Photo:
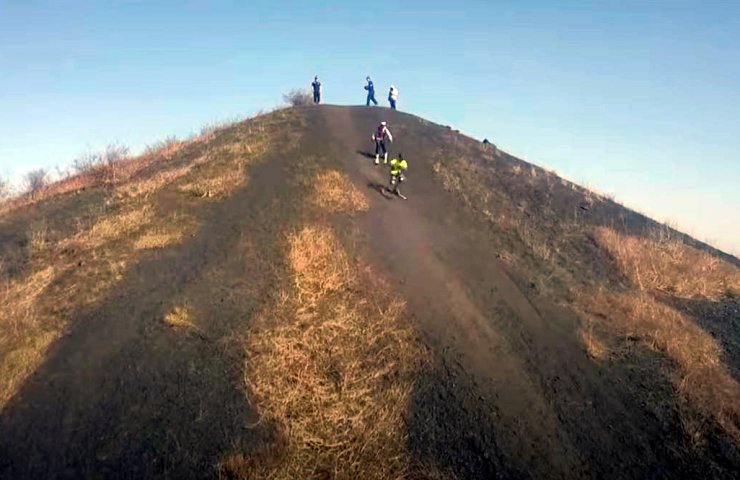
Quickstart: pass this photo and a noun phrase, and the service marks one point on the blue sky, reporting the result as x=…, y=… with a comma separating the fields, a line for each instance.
x=638, y=99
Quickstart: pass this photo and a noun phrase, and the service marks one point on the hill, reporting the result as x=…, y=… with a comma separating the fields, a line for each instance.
x=252, y=304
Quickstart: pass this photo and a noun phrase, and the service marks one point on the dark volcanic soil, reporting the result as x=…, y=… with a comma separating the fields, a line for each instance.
x=510, y=392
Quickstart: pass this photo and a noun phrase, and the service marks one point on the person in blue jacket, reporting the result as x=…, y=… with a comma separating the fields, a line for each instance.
x=316, y=86
x=370, y=87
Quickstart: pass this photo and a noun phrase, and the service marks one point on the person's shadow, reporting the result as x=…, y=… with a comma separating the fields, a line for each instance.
x=367, y=154
x=380, y=188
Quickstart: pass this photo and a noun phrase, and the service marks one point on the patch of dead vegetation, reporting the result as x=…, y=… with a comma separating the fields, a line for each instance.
x=18, y=299
x=334, y=192
x=331, y=366
x=117, y=226
x=662, y=263
x=154, y=182
x=155, y=239
x=216, y=184
x=592, y=342
x=23, y=338
x=700, y=377
x=181, y=318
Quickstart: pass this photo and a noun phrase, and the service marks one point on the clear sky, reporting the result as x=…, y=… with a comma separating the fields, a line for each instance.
x=639, y=99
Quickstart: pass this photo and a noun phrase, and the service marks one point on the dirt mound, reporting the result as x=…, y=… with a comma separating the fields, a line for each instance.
x=252, y=304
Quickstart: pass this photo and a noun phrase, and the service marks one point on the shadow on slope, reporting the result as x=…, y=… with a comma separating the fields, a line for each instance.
x=129, y=392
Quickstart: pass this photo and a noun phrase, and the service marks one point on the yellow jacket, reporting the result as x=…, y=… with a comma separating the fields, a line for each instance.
x=397, y=166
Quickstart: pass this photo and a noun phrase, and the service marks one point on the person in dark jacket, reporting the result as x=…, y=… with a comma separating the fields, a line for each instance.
x=382, y=133
x=370, y=87
x=316, y=85
x=393, y=96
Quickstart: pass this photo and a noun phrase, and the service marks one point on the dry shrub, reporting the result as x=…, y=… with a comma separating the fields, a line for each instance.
x=298, y=98
x=334, y=193
x=164, y=149
x=103, y=166
x=331, y=366
x=37, y=239
x=5, y=189
x=701, y=376
x=36, y=181
x=663, y=262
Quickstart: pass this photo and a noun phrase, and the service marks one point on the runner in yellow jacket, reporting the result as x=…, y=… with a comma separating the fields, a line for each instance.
x=398, y=166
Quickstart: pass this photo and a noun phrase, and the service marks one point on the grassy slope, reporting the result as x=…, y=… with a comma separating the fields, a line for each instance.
x=200, y=307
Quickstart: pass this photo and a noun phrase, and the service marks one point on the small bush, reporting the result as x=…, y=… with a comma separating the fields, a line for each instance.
x=164, y=148
x=103, y=165
x=298, y=98
x=36, y=181
x=5, y=188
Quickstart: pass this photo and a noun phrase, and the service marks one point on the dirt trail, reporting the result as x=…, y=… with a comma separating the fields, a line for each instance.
x=513, y=364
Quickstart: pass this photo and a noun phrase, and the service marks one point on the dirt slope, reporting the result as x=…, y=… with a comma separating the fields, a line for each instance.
x=510, y=389
x=513, y=383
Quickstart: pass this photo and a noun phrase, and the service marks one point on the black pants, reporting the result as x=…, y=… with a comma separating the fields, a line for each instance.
x=380, y=145
x=371, y=98
x=392, y=102
x=316, y=97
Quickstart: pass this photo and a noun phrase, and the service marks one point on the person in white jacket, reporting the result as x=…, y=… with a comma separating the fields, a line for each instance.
x=393, y=96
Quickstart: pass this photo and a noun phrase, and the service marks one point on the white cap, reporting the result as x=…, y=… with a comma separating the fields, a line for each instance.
x=383, y=123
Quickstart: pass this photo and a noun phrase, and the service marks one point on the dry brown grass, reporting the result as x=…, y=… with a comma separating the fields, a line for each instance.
x=700, y=376
x=155, y=182
x=18, y=298
x=158, y=239
x=595, y=347
x=334, y=192
x=23, y=338
x=216, y=185
x=331, y=365
x=663, y=262
x=117, y=226
x=181, y=318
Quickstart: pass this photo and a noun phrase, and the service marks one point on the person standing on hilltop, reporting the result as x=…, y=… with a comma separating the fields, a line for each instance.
x=393, y=96
x=316, y=85
x=370, y=87
x=381, y=134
